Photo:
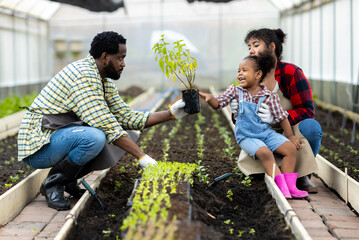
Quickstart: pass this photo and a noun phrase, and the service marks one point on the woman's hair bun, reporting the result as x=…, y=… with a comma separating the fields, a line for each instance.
x=280, y=34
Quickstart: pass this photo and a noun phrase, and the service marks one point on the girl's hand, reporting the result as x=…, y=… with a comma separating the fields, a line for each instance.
x=212, y=101
x=205, y=96
x=296, y=142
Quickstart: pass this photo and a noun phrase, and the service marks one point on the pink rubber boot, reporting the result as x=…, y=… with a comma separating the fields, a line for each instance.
x=282, y=185
x=291, y=179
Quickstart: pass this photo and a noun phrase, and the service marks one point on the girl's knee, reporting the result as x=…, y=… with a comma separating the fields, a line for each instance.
x=264, y=153
x=287, y=149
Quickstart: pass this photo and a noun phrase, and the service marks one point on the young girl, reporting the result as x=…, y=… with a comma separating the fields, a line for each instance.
x=252, y=134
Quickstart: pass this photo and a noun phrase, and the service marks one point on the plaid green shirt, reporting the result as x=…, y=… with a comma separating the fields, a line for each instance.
x=78, y=88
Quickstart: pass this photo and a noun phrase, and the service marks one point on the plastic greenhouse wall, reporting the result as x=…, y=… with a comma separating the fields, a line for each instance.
x=25, y=60
x=215, y=30
x=323, y=42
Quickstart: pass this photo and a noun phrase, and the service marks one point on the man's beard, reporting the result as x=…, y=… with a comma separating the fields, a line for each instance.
x=111, y=71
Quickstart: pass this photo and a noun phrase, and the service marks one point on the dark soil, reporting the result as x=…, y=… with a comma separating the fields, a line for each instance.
x=337, y=146
x=11, y=171
x=250, y=212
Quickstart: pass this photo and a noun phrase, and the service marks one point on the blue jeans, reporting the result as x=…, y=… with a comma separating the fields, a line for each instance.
x=80, y=143
x=312, y=131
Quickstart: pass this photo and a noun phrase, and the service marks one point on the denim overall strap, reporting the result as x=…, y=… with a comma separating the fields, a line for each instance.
x=240, y=101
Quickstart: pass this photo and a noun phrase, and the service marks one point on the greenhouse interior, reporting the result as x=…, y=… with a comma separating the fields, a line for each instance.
x=40, y=39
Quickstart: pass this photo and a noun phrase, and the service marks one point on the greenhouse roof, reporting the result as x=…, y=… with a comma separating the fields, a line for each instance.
x=285, y=4
x=40, y=9
x=96, y=5
x=45, y=9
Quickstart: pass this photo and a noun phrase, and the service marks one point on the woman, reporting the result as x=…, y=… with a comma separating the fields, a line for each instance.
x=296, y=97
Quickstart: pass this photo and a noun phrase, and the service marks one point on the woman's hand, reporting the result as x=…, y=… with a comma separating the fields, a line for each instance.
x=296, y=142
x=265, y=114
x=233, y=105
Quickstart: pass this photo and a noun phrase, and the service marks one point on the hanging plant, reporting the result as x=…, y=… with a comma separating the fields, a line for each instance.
x=177, y=63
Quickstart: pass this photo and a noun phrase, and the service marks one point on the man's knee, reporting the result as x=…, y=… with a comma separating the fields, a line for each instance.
x=96, y=138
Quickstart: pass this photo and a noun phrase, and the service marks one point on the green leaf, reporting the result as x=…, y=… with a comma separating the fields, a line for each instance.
x=161, y=63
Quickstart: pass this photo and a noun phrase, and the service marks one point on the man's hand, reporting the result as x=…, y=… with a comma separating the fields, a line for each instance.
x=145, y=161
x=233, y=105
x=177, y=109
x=265, y=114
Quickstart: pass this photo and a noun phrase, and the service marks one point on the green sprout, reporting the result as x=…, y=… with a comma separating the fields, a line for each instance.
x=229, y=194
x=252, y=231
x=118, y=184
x=106, y=233
x=247, y=181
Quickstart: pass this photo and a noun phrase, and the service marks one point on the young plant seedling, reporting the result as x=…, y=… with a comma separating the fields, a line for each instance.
x=247, y=181
x=230, y=194
x=175, y=61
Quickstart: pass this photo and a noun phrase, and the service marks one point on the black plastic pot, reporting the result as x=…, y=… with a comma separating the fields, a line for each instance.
x=191, y=100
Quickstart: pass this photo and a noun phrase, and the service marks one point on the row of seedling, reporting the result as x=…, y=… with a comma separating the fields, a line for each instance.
x=336, y=158
x=340, y=143
x=230, y=150
x=151, y=202
x=166, y=142
x=202, y=175
x=225, y=135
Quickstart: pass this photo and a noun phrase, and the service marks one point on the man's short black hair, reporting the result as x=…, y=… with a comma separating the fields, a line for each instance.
x=106, y=42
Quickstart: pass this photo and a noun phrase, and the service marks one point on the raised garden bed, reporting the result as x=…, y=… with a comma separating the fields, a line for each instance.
x=236, y=207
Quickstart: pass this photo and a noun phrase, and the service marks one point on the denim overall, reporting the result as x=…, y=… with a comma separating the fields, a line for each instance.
x=251, y=132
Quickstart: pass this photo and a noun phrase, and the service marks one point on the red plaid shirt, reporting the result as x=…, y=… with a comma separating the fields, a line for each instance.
x=295, y=87
x=271, y=99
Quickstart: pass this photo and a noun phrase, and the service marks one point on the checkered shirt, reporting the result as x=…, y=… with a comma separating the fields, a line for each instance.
x=295, y=86
x=78, y=88
x=271, y=99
